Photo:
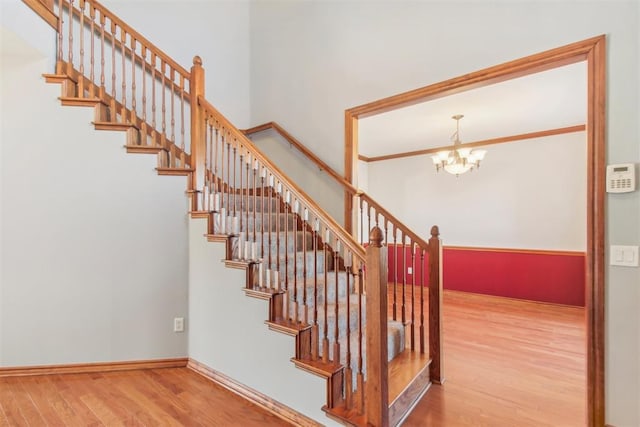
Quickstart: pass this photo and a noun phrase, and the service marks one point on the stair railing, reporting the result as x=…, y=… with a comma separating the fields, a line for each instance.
x=407, y=251
x=293, y=249
x=138, y=85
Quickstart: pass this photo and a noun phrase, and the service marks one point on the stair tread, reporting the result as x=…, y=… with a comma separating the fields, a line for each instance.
x=318, y=366
x=287, y=326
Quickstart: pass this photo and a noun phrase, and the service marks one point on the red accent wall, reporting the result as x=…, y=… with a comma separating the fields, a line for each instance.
x=546, y=276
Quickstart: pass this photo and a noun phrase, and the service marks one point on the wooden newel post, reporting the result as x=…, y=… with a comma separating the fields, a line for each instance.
x=436, y=369
x=377, y=383
x=198, y=129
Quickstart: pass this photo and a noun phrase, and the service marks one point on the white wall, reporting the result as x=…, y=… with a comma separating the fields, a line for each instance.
x=319, y=185
x=227, y=332
x=363, y=176
x=94, y=243
x=217, y=31
x=528, y=194
x=312, y=60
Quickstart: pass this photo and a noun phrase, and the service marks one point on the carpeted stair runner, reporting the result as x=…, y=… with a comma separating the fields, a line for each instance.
x=298, y=245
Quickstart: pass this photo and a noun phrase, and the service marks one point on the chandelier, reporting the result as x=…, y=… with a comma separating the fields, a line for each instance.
x=459, y=159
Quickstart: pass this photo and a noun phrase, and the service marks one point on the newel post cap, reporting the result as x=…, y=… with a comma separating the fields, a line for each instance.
x=435, y=231
x=375, y=237
x=197, y=61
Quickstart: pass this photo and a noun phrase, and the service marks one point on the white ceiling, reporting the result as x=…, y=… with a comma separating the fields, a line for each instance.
x=547, y=100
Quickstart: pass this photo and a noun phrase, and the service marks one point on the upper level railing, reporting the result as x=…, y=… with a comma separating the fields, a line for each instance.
x=140, y=84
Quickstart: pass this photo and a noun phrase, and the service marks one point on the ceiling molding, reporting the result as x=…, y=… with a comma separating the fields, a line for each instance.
x=492, y=141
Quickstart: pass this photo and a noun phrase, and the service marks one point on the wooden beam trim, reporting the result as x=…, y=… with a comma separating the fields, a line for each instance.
x=263, y=401
x=481, y=143
x=531, y=64
x=81, y=368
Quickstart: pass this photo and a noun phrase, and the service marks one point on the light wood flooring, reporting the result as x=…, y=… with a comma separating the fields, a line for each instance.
x=507, y=363
x=153, y=397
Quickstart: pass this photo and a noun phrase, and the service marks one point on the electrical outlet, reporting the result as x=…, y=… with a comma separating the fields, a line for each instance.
x=178, y=324
x=409, y=270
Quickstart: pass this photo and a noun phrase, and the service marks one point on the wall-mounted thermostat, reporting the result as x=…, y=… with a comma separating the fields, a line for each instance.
x=621, y=178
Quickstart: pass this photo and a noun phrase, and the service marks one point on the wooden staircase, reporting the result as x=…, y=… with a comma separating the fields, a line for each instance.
x=111, y=115
x=320, y=284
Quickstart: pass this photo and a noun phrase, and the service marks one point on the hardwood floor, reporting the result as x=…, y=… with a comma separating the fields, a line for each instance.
x=154, y=397
x=507, y=363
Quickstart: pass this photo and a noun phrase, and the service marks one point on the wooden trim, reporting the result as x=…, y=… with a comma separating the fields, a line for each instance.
x=593, y=51
x=263, y=401
x=532, y=64
x=142, y=149
x=44, y=10
x=238, y=264
x=350, y=165
x=83, y=368
x=287, y=327
x=199, y=214
x=402, y=405
x=482, y=143
x=595, y=288
x=516, y=250
x=304, y=150
x=68, y=101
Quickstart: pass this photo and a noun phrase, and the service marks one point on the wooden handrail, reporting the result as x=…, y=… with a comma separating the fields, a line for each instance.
x=304, y=150
x=357, y=250
x=335, y=175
